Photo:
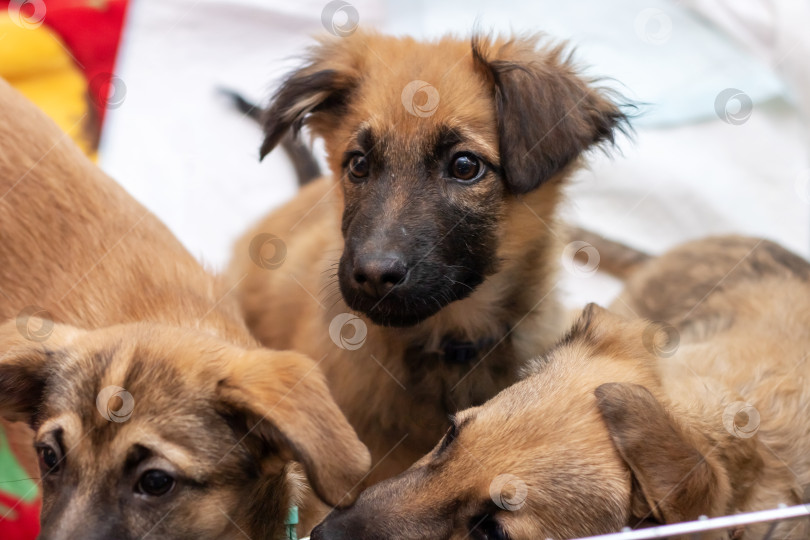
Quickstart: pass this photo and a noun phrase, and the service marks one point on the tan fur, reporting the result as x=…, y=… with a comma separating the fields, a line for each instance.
x=617, y=427
x=133, y=309
x=397, y=390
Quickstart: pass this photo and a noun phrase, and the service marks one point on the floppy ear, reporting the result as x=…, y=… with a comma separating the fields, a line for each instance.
x=672, y=480
x=547, y=113
x=320, y=88
x=25, y=363
x=283, y=401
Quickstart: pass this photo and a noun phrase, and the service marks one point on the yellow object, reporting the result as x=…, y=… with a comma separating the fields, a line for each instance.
x=37, y=63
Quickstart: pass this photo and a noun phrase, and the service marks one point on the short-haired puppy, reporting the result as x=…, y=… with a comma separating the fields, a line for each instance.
x=631, y=423
x=437, y=233
x=154, y=412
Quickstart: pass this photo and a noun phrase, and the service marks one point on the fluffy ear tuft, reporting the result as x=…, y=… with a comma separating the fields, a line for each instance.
x=24, y=367
x=672, y=480
x=320, y=88
x=285, y=404
x=597, y=326
x=547, y=113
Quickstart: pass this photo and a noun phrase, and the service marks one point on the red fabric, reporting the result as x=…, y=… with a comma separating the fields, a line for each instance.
x=23, y=524
x=91, y=29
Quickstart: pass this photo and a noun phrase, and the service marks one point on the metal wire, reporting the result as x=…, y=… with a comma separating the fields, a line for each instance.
x=775, y=516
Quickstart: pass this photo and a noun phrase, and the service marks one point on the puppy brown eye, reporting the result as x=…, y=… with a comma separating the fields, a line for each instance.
x=155, y=483
x=465, y=167
x=48, y=459
x=358, y=166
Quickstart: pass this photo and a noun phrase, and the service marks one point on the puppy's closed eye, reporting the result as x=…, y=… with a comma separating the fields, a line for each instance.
x=449, y=437
x=452, y=434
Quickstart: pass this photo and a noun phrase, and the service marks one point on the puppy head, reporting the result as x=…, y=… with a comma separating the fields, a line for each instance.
x=143, y=429
x=431, y=144
x=561, y=454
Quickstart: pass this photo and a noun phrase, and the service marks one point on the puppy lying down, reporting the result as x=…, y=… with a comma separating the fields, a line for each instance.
x=628, y=422
x=154, y=411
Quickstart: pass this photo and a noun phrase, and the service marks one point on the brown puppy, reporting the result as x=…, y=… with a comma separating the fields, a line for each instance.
x=155, y=413
x=626, y=422
x=423, y=273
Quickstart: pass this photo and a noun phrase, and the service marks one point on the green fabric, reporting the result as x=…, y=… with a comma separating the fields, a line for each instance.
x=14, y=479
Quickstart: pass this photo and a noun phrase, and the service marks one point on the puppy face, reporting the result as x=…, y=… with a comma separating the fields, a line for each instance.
x=562, y=454
x=431, y=144
x=144, y=430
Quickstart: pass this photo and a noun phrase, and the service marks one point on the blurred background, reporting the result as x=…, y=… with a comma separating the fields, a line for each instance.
x=721, y=142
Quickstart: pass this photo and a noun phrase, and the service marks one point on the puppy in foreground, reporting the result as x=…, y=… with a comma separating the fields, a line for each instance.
x=422, y=272
x=154, y=412
x=631, y=423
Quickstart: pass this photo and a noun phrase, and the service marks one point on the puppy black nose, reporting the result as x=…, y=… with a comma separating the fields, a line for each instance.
x=325, y=531
x=378, y=273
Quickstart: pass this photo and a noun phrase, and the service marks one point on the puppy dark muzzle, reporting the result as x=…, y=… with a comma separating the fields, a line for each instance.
x=391, y=293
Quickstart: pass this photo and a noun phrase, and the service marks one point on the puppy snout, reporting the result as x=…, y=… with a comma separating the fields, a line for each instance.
x=329, y=530
x=320, y=533
x=376, y=274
